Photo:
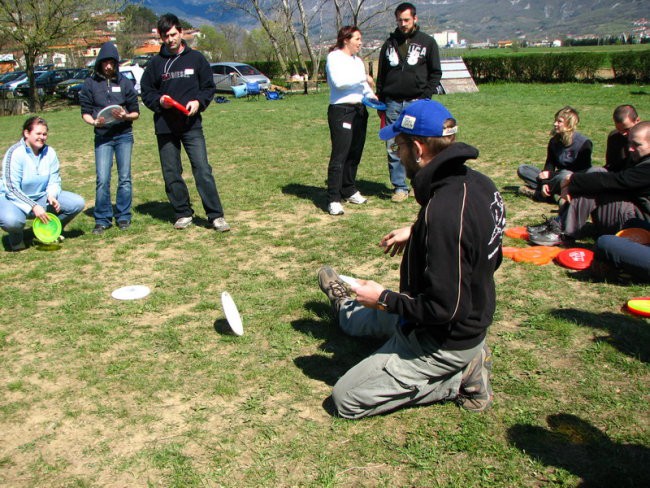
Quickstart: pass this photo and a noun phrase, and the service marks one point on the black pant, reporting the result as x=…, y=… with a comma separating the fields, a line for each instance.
x=169, y=148
x=348, y=124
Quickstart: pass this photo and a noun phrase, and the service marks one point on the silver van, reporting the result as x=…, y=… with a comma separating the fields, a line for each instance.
x=226, y=75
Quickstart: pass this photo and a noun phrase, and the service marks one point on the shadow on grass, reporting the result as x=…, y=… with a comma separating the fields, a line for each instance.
x=345, y=351
x=628, y=334
x=158, y=210
x=318, y=195
x=577, y=446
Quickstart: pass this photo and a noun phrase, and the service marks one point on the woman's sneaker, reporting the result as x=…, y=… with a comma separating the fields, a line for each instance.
x=335, y=208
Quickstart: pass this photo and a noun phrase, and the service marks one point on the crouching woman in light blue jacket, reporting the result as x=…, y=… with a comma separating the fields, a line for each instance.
x=31, y=184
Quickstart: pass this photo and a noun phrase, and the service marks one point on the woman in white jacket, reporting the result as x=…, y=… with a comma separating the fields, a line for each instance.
x=347, y=117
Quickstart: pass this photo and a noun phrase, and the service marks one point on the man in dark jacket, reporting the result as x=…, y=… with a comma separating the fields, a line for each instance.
x=437, y=322
x=617, y=154
x=184, y=75
x=105, y=88
x=409, y=70
x=609, y=199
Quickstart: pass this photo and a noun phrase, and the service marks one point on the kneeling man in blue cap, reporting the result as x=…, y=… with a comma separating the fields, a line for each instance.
x=436, y=324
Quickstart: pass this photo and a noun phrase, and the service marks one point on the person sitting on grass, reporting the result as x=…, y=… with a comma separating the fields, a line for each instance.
x=623, y=259
x=31, y=184
x=568, y=152
x=437, y=323
x=609, y=199
x=617, y=154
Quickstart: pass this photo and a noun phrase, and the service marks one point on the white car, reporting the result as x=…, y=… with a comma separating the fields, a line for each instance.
x=134, y=73
x=226, y=75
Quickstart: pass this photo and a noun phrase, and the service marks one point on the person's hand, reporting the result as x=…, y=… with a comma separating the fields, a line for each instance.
x=164, y=103
x=546, y=190
x=99, y=121
x=544, y=175
x=395, y=241
x=54, y=203
x=564, y=186
x=119, y=113
x=368, y=292
x=40, y=214
x=192, y=107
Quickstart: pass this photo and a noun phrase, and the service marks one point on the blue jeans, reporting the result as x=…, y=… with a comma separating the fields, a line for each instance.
x=12, y=218
x=396, y=170
x=169, y=148
x=121, y=146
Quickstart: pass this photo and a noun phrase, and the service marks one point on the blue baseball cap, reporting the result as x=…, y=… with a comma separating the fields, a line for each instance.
x=424, y=118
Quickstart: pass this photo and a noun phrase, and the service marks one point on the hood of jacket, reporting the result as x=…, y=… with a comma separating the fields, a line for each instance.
x=449, y=162
x=107, y=51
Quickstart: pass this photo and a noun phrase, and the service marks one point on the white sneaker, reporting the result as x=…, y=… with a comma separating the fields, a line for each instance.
x=183, y=222
x=220, y=225
x=357, y=199
x=335, y=208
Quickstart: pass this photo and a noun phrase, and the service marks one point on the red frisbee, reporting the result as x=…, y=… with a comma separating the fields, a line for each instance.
x=536, y=255
x=517, y=233
x=175, y=104
x=575, y=258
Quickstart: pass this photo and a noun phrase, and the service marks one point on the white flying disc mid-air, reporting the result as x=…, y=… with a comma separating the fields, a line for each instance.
x=131, y=292
x=232, y=314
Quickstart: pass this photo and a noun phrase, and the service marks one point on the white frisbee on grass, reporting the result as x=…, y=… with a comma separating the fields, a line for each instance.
x=232, y=314
x=107, y=113
x=131, y=292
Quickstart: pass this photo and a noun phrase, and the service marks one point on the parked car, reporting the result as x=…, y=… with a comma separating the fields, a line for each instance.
x=10, y=76
x=61, y=89
x=10, y=86
x=226, y=75
x=45, y=82
x=134, y=73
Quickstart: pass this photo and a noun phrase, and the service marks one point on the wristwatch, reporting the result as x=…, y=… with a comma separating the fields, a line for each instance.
x=381, y=301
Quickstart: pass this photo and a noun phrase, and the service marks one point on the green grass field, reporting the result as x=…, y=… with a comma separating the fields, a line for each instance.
x=518, y=51
x=100, y=392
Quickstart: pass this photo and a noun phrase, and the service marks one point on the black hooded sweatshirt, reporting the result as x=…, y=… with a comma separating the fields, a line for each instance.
x=99, y=92
x=184, y=77
x=411, y=76
x=446, y=279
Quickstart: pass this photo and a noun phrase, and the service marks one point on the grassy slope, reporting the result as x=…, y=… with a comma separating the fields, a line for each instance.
x=95, y=392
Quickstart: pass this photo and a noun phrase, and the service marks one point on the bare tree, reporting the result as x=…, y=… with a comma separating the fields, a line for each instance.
x=365, y=14
x=35, y=25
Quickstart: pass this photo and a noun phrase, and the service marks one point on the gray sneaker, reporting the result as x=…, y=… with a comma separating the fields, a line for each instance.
x=220, y=225
x=475, y=393
x=334, y=287
x=183, y=222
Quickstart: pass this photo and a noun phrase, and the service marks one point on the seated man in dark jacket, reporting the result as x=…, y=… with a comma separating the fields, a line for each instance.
x=609, y=199
x=437, y=323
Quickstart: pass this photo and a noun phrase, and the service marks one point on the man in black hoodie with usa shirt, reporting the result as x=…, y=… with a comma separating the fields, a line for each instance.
x=184, y=75
x=437, y=323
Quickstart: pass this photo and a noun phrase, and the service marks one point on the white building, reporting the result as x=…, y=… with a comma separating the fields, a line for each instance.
x=446, y=38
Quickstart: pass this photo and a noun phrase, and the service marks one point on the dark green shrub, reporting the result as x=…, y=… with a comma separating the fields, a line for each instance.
x=631, y=67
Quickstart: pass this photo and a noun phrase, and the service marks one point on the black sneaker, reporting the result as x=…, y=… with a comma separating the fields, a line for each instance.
x=124, y=224
x=335, y=288
x=543, y=227
x=100, y=228
x=552, y=236
x=475, y=393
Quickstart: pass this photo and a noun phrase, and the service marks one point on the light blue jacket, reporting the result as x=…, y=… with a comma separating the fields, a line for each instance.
x=27, y=177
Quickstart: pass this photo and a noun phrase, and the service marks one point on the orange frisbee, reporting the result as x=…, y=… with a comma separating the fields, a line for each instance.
x=517, y=232
x=635, y=234
x=509, y=251
x=536, y=255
